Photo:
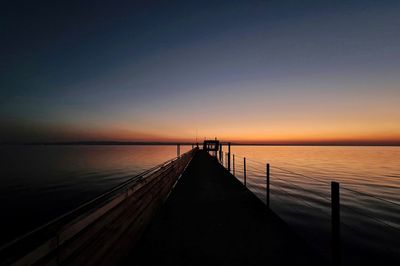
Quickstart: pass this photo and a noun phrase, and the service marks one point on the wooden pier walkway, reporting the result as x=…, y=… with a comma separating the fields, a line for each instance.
x=210, y=218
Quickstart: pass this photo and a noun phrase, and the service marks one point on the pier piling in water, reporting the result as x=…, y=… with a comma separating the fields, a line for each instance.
x=267, y=186
x=233, y=161
x=244, y=171
x=335, y=208
x=229, y=156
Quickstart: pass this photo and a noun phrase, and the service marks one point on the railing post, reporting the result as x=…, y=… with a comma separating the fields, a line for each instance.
x=233, y=161
x=335, y=208
x=229, y=156
x=244, y=171
x=267, y=186
x=220, y=152
x=178, y=150
x=225, y=159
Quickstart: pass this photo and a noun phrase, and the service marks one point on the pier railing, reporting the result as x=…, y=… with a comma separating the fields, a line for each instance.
x=116, y=216
x=331, y=216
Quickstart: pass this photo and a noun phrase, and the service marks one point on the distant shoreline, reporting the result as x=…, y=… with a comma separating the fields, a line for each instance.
x=155, y=143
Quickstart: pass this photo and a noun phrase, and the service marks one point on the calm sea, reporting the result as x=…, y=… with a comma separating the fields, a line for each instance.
x=39, y=183
x=300, y=183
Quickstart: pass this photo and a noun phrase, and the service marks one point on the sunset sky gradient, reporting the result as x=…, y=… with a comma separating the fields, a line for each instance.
x=245, y=71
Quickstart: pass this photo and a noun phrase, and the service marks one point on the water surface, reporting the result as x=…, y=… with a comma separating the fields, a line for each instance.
x=301, y=176
x=40, y=183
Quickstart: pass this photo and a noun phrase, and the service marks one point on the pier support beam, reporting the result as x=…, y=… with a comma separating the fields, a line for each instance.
x=233, y=161
x=244, y=171
x=229, y=156
x=267, y=186
x=335, y=208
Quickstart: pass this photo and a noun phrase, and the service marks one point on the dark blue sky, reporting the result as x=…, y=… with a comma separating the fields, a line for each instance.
x=141, y=70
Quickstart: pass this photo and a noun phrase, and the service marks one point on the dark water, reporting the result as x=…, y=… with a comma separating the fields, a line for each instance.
x=40, y=183
x=369, y=179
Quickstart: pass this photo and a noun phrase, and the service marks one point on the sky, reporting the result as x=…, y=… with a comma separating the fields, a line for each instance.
x=245, y=71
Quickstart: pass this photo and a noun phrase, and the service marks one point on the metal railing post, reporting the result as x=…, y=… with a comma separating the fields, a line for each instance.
x=335, y=208
x=226, y=159
x=267, y=186
x=178, y=150
x=233, y=161
x=229, y=156
x=244, y=171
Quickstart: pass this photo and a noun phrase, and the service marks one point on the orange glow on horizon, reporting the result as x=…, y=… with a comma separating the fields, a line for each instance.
x=281, y=132
x=244, y=137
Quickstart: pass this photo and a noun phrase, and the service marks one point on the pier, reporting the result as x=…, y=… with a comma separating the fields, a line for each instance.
x=187, y=211
x=212, y=219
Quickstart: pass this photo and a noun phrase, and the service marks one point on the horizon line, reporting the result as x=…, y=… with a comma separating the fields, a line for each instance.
x=233, y=143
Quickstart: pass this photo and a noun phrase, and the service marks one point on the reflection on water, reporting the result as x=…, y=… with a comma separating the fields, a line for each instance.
x=39, y=183
x=300, y=193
